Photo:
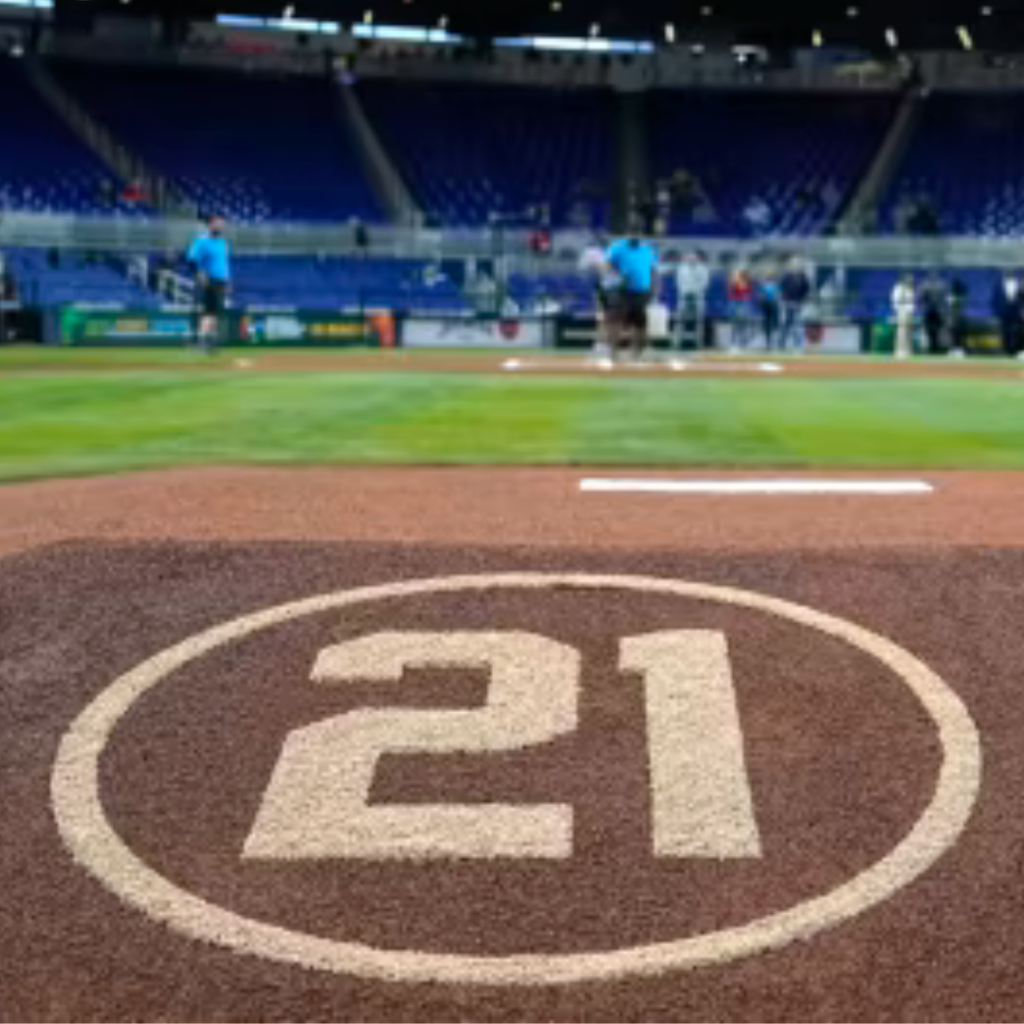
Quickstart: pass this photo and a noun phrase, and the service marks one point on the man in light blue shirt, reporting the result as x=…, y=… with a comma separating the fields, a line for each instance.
x=636, y=263
x=210, y=256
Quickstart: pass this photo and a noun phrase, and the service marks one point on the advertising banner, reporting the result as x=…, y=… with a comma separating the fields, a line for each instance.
x=278, y=329
x=456, y=332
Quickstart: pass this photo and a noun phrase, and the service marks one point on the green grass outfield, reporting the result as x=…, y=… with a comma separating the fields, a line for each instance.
x=67, y=421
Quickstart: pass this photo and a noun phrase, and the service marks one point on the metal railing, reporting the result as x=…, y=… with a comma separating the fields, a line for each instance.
x=138, y=235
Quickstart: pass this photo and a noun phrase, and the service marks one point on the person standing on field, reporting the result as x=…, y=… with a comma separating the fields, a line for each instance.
x=636, y=264
x=904, y=302
x=935, y=306
x=1008, y=308
x=795, y=287
x=210, y=256
x=693, y=278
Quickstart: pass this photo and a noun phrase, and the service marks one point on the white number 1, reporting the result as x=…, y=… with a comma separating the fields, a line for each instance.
x=316, y=805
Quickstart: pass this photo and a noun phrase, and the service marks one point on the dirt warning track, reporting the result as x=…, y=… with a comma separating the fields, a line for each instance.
x=398, y=780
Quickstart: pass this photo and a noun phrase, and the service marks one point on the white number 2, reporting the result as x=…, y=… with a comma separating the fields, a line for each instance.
x=316, y=805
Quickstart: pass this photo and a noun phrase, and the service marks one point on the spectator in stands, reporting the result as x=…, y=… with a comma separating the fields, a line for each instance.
x=360, y=236
x=935, y=306
x=904, y=305
x=134, y=194
x=795, y=289
x=693, y=278
x=769, y=299
x=758, y=216
x=1008, y=309
x=741, y=296
x=107, y=194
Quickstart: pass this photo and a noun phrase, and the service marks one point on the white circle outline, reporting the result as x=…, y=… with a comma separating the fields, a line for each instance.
x=95, y=845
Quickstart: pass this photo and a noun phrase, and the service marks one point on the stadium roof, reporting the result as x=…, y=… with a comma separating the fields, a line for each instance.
x=867, y=24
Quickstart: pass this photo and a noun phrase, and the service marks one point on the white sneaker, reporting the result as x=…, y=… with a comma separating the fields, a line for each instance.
x=957, y=353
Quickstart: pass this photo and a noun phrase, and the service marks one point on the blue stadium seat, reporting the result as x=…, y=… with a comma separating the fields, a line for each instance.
x=43, y=166
x=784, y=148
x=254, y=147
x=466, y=151
x=967, y=157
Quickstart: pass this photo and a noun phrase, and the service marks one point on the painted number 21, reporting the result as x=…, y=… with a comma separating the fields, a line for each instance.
x=317, y=802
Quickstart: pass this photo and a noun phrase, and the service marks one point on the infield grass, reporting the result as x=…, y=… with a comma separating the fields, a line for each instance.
x=109, y=420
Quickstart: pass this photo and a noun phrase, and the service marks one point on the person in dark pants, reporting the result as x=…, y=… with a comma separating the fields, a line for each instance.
x=210, y=255
x=958, y=318
x=1008, y=309
x=636, y=264
x=795, y=288
x=769, y=300
x=934, y=305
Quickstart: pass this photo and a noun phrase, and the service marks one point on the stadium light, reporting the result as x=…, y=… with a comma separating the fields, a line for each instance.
x=556, y=5
x=595, y=30
x=816, y=38
x=891, y=38
x=707, y=11
x=442, y=22
x=965, y=37
x=852, y=12
x=670, y=33
x=367, y=17
x=987, y=12
x=288, y=12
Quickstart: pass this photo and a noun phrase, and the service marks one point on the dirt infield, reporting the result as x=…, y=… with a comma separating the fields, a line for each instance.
x=531, y=362
x=640, y=758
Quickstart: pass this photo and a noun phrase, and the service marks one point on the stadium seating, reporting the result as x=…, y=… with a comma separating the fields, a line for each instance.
x=967, y=157
x=43, y=166
x=802, y=153
x=466, y=151
x=75, y=279
x=340, y=283
x=253, y=147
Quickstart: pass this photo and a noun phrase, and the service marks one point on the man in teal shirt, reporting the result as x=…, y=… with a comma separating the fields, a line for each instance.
x=210, y=255
x=636, y=263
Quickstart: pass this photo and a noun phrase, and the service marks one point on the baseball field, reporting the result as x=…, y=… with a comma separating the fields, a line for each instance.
x=463, y=686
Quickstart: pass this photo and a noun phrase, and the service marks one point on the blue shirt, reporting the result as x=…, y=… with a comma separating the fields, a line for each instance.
x=212, y=256
x=635, y=264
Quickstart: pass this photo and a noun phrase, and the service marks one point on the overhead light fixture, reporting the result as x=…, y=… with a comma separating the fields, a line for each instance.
x=707, y=11
x=852, y=12
x=670, y=32
x=987, y=12
x=816, y=38
x=891, y=38
x=288, y=13
x=556, y=5
x=595, y=30
x=965, y=37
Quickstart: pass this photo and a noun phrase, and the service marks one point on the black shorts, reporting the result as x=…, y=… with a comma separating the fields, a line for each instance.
x=633, y=309
x=214, y=298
